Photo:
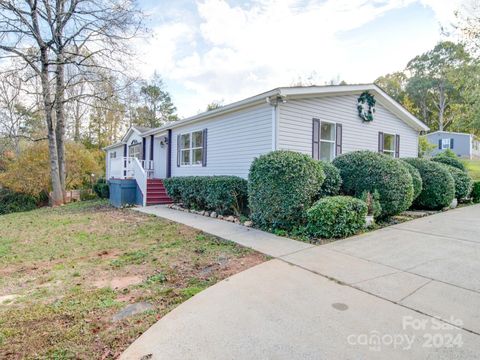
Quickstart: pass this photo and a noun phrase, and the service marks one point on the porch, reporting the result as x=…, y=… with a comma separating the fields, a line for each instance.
x=132, y=181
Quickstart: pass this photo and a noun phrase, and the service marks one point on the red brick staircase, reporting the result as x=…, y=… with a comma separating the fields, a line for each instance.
x=156, y=193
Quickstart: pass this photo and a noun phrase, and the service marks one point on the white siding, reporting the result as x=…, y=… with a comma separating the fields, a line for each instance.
x=233, y=141
x=115, y=172
x=295, y=125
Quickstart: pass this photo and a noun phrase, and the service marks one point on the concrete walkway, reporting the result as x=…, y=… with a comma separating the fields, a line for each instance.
x=378, y=295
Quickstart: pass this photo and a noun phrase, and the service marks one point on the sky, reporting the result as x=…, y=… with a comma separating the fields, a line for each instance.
x=224, y=51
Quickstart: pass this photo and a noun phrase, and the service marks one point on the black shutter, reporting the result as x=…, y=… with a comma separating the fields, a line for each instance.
x=338, y=139
x=151, y=146
x=451, y=143
x=125, y=159
x=178, y=150
x=169, y=154
x=144, y=147
x=204, y=150
x=397, y=146
x=380, y=142
x=439, y=144
x=316, y=139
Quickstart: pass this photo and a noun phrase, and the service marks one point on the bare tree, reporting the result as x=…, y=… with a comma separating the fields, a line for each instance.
x=50, y=35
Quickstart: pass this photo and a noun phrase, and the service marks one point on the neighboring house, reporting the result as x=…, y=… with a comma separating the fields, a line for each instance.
x=321, y=121
x=464, y=145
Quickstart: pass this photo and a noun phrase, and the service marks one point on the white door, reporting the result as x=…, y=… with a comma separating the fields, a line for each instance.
x=159, y=159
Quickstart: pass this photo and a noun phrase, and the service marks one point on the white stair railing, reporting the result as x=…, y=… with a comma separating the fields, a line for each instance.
x=141, y=177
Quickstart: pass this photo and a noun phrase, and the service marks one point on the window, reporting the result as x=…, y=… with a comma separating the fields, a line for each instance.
x=389, y=144
x=445, y=143
x=135, y=149
x=327, y=141
x=113, y=155
x=191, y=148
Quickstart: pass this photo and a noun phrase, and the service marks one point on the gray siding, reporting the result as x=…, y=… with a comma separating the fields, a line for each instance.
x=461, y=143
x=295, y=125
x=234, y=140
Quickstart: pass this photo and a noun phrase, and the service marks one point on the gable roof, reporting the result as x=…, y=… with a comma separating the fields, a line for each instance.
x=140, y=130
x=296, y=92
x=450, y=132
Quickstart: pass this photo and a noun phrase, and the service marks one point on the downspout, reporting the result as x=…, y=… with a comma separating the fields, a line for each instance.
x=274, y=102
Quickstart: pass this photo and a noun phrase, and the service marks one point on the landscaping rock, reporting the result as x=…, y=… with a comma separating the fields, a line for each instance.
x=236, y=221
x=132, y=309
x=220, y=217
x=454, y=204
x=230, y=218
x=248, y=223
x=213, y=214
x=206, y=213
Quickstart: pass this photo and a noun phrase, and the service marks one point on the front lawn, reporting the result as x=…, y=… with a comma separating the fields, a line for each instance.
x=66, y=272
x=473, y=167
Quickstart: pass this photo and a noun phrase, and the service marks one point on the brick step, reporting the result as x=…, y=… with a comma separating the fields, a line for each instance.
x=154, y=181
x=155, y=187
x=159, y=201
x=156, y=193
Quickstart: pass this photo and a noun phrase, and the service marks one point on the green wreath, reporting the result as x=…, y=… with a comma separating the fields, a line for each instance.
x=366, y=106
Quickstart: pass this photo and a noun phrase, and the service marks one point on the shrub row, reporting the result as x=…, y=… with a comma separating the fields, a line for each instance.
x=281, y=188
x=369, y=171
x=416, y=179
x=463, y=183
x=333, y=181
x=449, y=158
x=223, y=194
x=11, y=202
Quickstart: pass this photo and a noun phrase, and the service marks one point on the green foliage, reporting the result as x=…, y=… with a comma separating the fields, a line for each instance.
x=438, y=186
x=373, y=203
x=369, y=171
x=332, y=183
x=447, y=159
x=336, y=217
x=281, y=187
x=476, y=192
x=223, y=194
x=425, y=148
x=416, y=179
x=11, y=202
x=102, y=189
x=463, y=183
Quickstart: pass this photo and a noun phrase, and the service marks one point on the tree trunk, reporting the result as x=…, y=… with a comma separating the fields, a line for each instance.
x=60, y=117
x=441, y=105
x=57, y=197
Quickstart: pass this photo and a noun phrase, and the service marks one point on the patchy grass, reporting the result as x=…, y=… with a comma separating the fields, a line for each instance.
x=76, y=266
x=473, y=167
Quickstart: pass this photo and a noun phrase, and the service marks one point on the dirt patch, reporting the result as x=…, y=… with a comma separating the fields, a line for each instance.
x=119, y=283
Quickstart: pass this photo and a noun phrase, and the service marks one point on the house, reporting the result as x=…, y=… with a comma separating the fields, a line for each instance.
x=464, y=145
x=321, y=121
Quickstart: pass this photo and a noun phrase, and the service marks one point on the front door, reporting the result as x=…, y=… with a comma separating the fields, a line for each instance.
x=160, y=158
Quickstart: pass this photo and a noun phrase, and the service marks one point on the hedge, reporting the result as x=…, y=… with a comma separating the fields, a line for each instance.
x=222, y=194
x=438, y=186
x=476, y=192
x=332, y=183
x=416, y=178
x=369, y=171
x=463, y=183
x=281, y=187
x=449, y=159
x=11, y=202
x=336, y=217
x=101, y=189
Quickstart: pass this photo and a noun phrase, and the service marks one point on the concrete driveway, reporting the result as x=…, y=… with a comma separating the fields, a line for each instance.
x=410, y=291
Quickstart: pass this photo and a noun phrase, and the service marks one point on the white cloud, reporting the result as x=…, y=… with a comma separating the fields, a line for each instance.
x=233, y=52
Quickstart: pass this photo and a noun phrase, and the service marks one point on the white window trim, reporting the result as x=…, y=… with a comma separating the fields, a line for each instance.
x=190, y=149
x=394, y=144
x=334, y=141
x=446, y=143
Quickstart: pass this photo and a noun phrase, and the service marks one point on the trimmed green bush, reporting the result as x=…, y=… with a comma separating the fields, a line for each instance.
x=102, y=189
x=369, y=171
x=373, y=203
x=332, y=183
x=438, y=186
x=476, y=192
x=11, y=202
x=281, y=187
x=449, y=159
x=463, y=183
x=416, y=178
x=336, y=217
x=222, y=194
